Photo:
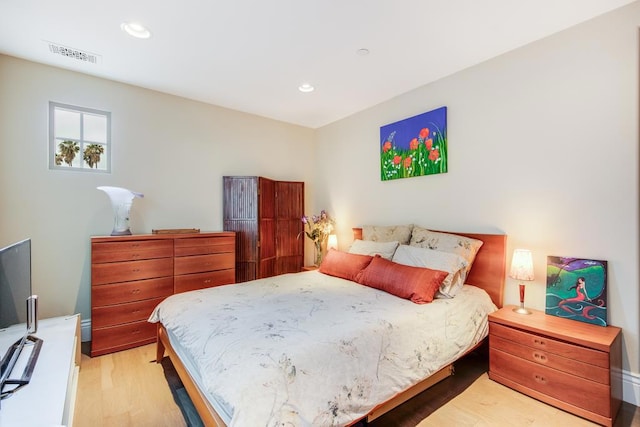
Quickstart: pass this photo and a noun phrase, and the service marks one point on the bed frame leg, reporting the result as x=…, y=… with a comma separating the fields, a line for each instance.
x=159, y=345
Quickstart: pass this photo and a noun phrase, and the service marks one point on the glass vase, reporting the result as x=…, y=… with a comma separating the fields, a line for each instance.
x=317, y=252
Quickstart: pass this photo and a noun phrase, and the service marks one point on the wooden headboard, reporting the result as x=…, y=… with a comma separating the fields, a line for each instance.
x=489, y=268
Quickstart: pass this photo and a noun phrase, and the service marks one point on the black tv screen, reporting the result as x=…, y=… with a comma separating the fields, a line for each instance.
x=15, y=283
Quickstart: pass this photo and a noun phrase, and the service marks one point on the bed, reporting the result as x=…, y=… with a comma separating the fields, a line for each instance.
x=313, y=349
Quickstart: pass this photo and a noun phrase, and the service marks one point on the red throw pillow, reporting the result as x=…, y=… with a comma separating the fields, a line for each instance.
x=413, y=283
x=343, y=264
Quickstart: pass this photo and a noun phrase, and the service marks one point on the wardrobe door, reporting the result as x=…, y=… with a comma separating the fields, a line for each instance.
x=266, y=228
x=240, y=213
x=289, y=236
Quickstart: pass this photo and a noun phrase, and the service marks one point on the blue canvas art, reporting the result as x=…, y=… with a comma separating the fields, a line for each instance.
x=415, y=146
x=577, y=289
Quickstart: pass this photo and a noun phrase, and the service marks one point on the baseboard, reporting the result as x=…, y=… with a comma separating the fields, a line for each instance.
x=631, y=387
x=85, y=330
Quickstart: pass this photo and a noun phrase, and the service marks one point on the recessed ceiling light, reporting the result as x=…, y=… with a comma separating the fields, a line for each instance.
x=306, y=87
x=363, y=51
x=136, y=30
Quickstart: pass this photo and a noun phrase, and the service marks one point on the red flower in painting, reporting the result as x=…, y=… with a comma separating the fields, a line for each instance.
x=407, y=162
x=386, y=146
x=429, y=143
x=434, y=155
x=424, y=132
x=397, y=160
x=413, y=145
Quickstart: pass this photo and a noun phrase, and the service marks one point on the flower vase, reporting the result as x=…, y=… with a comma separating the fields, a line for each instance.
x=318, y=253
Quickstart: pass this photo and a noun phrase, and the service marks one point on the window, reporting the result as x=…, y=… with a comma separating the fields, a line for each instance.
x=79, y=138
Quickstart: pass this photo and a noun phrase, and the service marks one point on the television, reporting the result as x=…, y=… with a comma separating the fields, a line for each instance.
x=18, y=314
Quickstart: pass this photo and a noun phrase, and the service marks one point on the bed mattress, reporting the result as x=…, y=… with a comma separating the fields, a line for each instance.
x=307, y=349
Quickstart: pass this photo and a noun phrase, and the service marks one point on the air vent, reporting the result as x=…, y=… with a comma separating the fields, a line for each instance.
x=73, y=53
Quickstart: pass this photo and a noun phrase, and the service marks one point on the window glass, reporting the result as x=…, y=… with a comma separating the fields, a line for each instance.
x=79, y=138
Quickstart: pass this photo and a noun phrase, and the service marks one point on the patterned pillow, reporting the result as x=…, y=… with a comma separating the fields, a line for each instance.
x=367, y=247
x=466, y=247
x=453, y=264
x=390, y=233
x=413, y=283
x=343, y=265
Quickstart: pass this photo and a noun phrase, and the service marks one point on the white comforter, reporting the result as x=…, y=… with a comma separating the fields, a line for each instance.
x=309, y=349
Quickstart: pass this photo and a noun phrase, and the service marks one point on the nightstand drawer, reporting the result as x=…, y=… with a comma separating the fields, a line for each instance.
x=582, y=393
x=570, y=351
x=573, y=366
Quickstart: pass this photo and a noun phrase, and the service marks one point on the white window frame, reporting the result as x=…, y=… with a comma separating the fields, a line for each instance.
x=82, y=142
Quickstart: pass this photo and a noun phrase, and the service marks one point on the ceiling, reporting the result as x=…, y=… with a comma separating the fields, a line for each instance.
x=251, y=55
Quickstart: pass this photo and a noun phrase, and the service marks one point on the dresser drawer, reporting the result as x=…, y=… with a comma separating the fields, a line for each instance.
x=570, y=351
x=202, y=263
x=580, y=392
x=117, y=293
x=130, y=250
x=131, y=270
x=112, y=315
x=204, y=245
x=115, y=338
x=190, y=282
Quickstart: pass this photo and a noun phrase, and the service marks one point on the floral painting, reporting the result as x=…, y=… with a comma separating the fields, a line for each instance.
x=415, y=146
x=577, y=289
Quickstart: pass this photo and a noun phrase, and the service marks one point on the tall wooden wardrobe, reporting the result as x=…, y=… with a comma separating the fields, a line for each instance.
x=266, y=216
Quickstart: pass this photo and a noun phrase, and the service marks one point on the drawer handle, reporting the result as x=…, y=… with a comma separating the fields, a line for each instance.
x=207, y=281
x=135, y=311
x=135, y=255
x=134, y=332
x=540, y=379
x=135, y=291
x=540, y=357
x=539, y=342
x=135, y=245
x=135, y=270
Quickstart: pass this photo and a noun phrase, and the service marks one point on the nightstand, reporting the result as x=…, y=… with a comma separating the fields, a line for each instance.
x=309, y=268
x=572, y=365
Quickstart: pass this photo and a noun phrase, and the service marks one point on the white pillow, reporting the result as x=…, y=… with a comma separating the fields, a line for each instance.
x=368, y=247
x=387, y=233
x=446, y=242
x=452, y=263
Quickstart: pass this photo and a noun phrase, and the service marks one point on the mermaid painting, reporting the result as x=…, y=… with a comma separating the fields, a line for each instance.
x=576, y=289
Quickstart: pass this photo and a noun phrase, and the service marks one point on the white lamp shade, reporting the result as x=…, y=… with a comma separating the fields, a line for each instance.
x=332, y=243
x=522, y=265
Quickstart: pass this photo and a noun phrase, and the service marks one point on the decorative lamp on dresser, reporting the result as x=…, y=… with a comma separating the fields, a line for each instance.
x=131, y=274
x=572, y=365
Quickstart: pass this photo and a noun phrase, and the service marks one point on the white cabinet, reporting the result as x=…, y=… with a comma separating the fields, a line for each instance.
x=49, y=398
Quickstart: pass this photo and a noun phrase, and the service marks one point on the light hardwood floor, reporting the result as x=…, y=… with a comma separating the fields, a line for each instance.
x=123, y=389
x=128, y=388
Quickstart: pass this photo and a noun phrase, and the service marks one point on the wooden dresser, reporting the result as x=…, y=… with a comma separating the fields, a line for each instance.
x=572, y=365
x=130, y=275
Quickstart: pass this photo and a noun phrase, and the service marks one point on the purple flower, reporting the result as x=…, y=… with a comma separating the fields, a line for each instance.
x=304, y=219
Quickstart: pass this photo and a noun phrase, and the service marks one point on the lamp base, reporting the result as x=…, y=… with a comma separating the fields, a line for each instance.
x=521, y=310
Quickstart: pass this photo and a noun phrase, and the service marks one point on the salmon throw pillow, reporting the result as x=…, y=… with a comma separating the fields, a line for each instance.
x=344, y=265
x=413, y=283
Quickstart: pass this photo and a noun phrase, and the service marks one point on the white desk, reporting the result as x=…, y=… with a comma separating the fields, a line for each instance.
x=49, y=398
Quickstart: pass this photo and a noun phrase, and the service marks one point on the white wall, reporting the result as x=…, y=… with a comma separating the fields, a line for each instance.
x=174, y=151
x=543, y=146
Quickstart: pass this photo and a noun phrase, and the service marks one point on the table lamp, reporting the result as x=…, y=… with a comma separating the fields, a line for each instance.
x=332, y=243
x=521, y=269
